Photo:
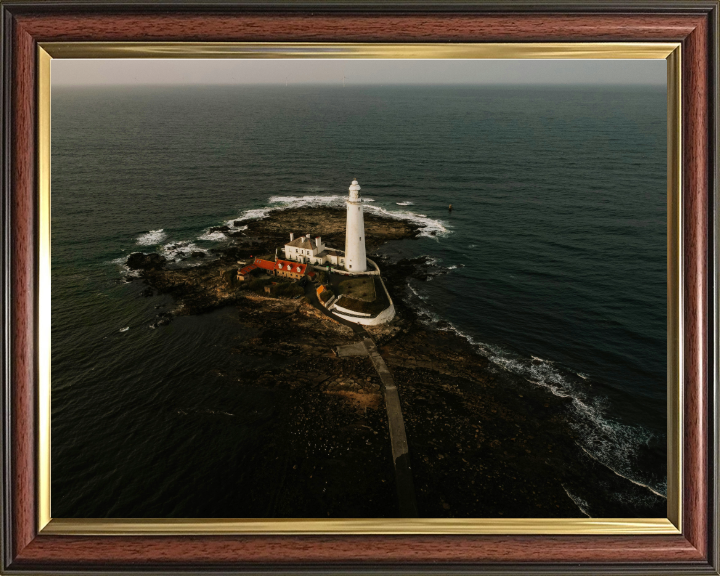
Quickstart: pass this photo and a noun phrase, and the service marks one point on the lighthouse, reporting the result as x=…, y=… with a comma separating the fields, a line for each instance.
x=355, y=232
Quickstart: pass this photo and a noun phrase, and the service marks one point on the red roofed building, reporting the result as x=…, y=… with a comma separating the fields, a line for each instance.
x=290, y=269
x=264, y=264
x=244, y=272
x=285, y=268
x=257, y=264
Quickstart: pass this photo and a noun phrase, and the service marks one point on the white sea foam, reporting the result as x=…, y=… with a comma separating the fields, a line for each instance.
x=662, y=491
x=614, y=444
x=429, y=227
x=453, y=267
x=151, y=238
x=124, y=269
x=216, y=236
x=417, y=294
x=611, y=443
x=254, y=214
x=125, y=329
x=579, y=502
x=302, y=201
x=407, y=203
x=175, y=251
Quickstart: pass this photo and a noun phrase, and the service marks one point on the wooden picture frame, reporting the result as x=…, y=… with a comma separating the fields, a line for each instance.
x=26, y=25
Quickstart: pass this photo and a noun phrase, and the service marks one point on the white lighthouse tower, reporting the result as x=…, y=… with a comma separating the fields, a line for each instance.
x=355, y=232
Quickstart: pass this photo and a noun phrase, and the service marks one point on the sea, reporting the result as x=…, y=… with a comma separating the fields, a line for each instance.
x=552, y=262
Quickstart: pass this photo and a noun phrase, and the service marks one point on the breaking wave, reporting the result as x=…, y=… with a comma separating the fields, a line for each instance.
x=579, y=502
x=416, y=293
x=176, y=251
x=125, y=270
x=611, y=443
x=303, y=201
x=252, y=214
x=408, y=203
x=216, y=236
x=429, y=227
x=151, y=238
x=231, y=224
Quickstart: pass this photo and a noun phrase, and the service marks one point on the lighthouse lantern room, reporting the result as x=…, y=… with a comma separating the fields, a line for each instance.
x=355, y=259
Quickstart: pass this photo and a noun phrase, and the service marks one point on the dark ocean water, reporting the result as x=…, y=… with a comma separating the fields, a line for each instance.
x=554, y=258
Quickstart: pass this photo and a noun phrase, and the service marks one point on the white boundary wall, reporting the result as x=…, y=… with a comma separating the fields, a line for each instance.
x=323, y=267
x=348, y=311
x=384, y=316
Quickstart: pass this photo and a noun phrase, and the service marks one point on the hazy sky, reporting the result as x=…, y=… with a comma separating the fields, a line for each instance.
x=305, y=71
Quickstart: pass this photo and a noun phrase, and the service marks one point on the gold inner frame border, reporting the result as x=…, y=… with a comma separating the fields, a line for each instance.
x=669, y=51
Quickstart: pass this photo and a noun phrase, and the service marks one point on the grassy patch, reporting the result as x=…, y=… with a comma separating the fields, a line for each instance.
x=256, y=285
x=362, y=288
x=361, y=306
x=325, y=295
x=375, y=306
x=288, y=290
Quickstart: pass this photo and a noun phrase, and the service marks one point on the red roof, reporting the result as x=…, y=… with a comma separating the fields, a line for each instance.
x=289, y=266
x=264, y=264
x=249, y=268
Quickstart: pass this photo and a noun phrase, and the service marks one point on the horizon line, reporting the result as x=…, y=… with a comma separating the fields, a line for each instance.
x=338, y=85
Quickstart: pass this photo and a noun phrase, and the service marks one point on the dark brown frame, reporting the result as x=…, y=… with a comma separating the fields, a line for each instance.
x=693, y=23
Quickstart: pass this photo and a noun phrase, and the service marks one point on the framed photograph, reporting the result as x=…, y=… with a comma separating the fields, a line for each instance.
x=360, y=288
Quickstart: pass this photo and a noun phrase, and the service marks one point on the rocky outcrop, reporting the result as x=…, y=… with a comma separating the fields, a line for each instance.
x=329, y=223
x=214, y=283
x=483, y=441
x=140, y=261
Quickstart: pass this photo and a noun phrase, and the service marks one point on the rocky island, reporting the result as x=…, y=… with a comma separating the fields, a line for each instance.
x=483, y=442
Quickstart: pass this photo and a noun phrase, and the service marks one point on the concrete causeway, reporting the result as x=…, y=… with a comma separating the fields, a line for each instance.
x=398, y=439
x=396, y=424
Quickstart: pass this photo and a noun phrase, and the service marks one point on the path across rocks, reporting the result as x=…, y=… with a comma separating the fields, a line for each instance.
x=396, y=424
